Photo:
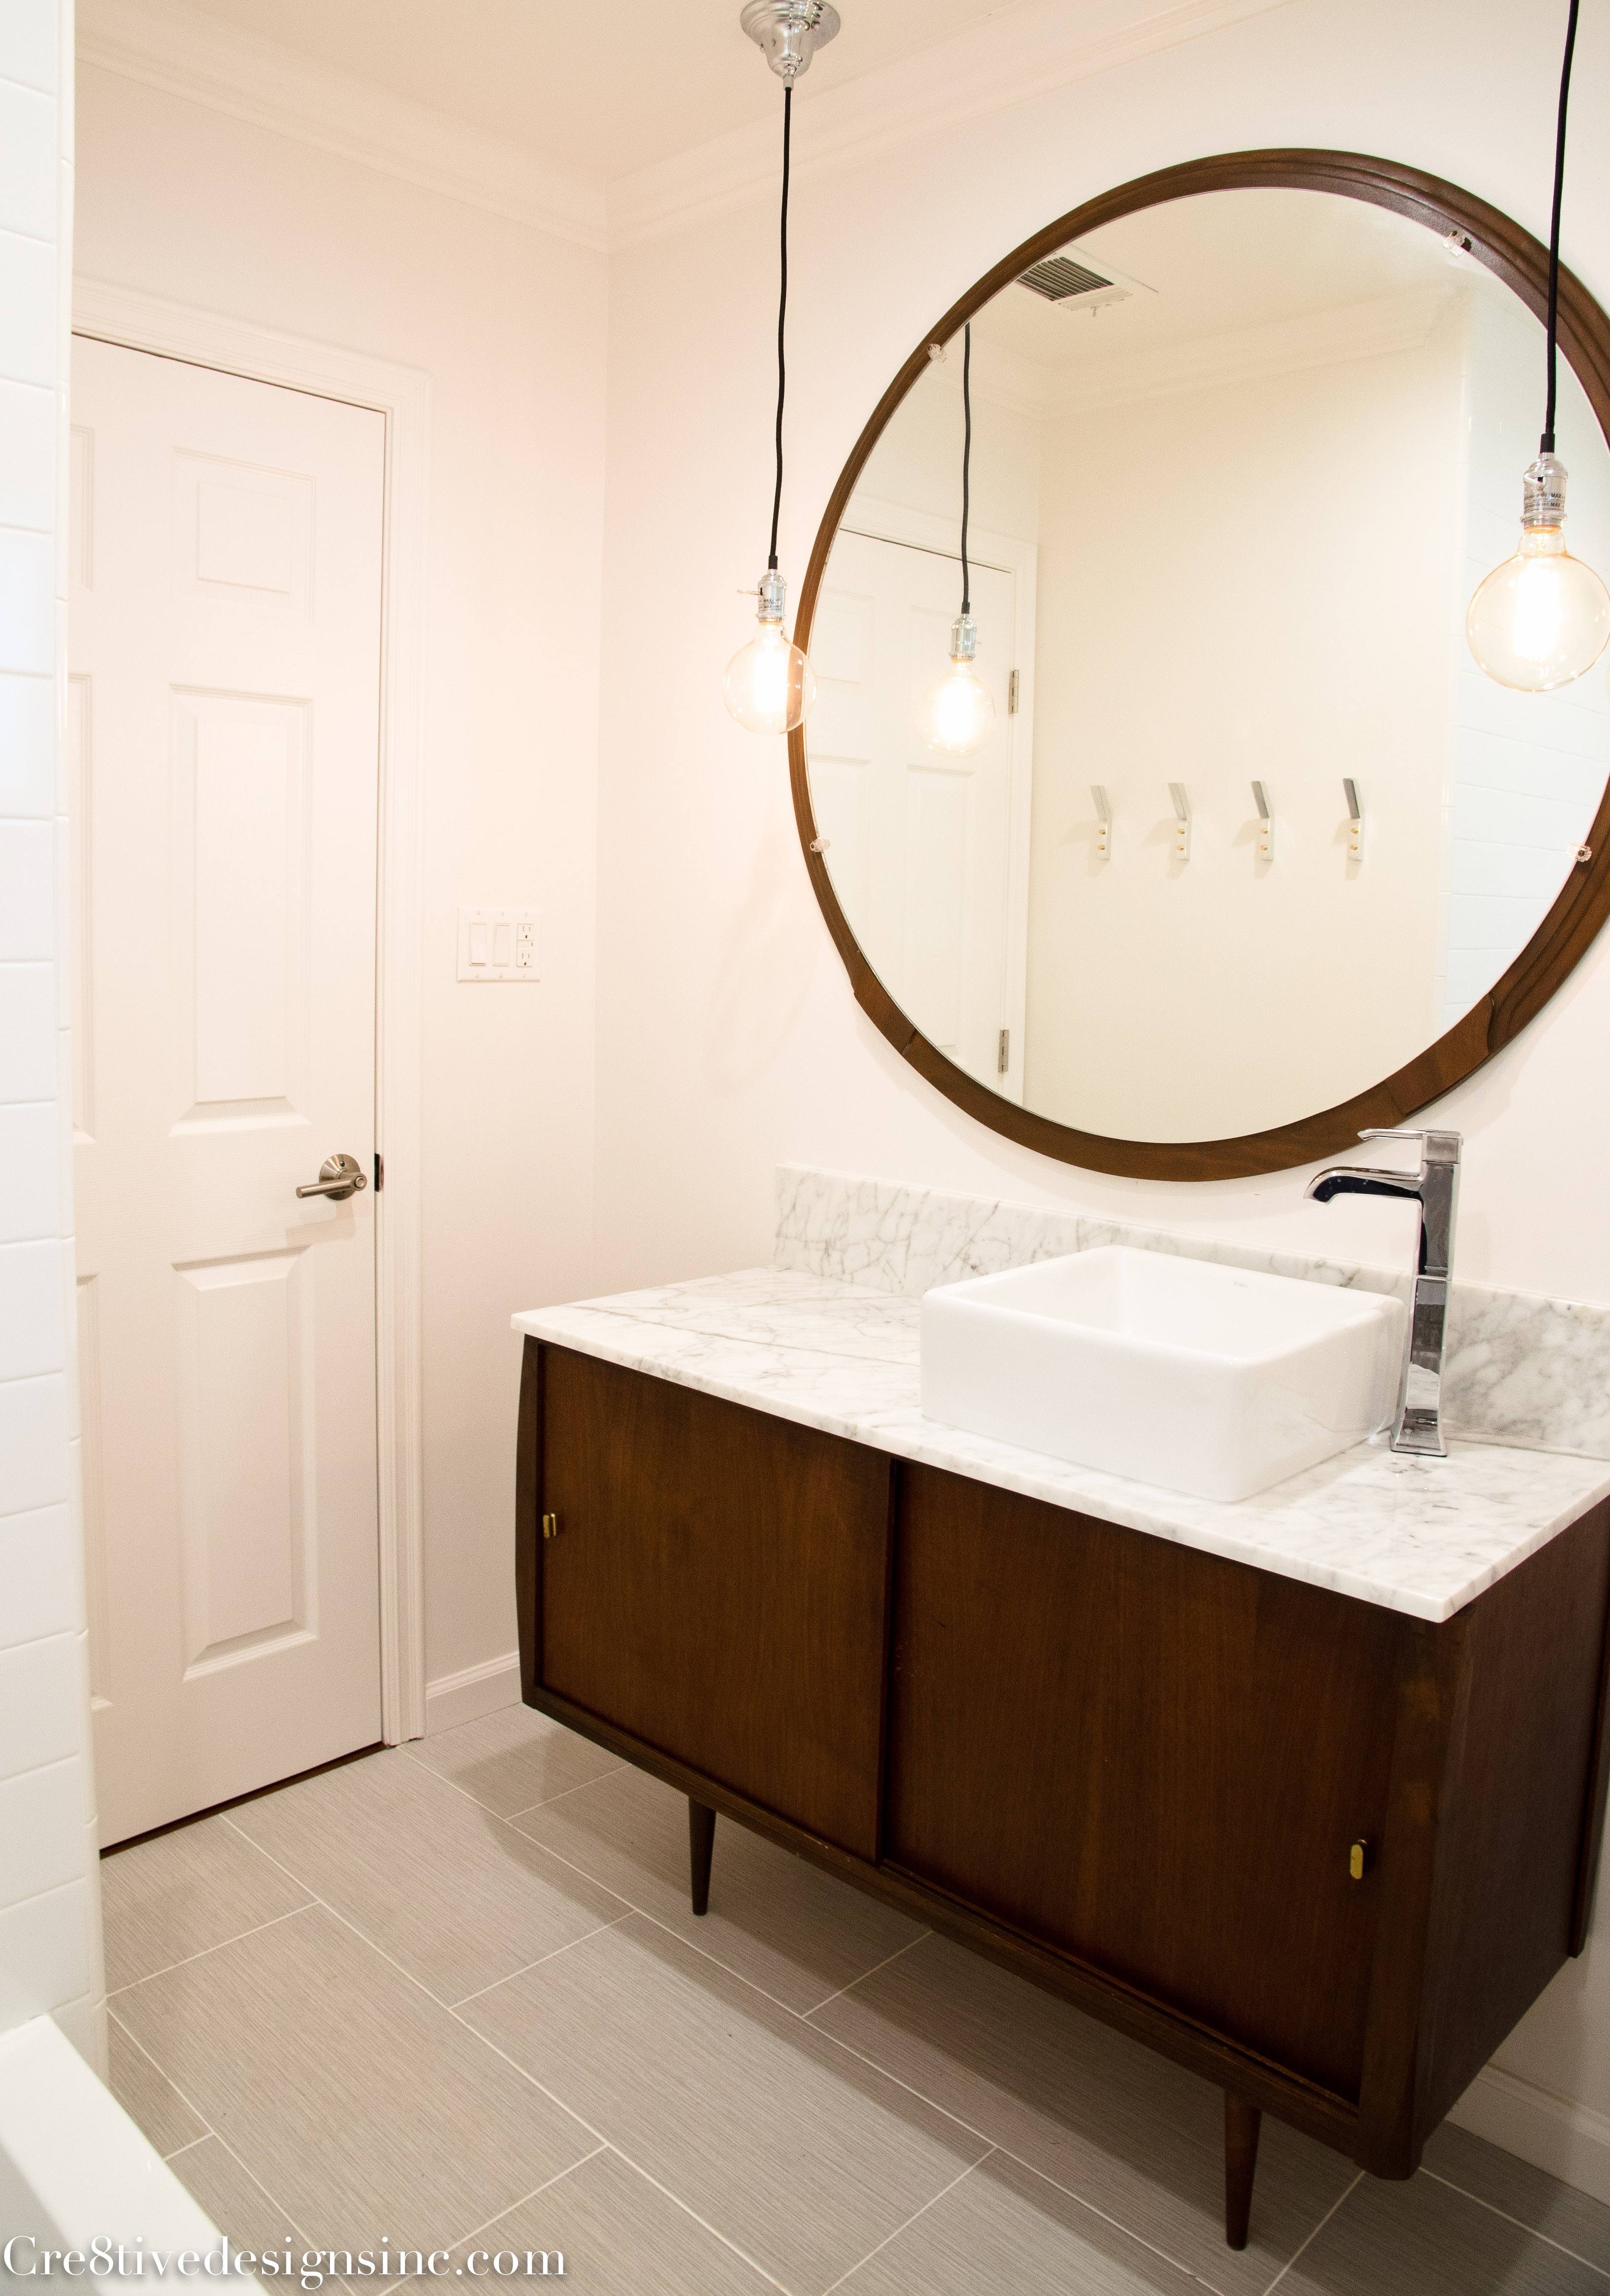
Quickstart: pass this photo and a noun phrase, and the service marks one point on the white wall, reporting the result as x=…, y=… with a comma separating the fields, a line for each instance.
x=1527, y=767
x=184, y=202
x=50, y=1941
x=918, y=461
x=728, y=1038
x=1253, y=557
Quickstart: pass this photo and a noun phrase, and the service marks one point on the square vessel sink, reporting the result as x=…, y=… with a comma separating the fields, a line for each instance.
x=1206, y=1379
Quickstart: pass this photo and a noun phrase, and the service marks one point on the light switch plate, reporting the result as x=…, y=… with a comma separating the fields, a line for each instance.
x=500, y=944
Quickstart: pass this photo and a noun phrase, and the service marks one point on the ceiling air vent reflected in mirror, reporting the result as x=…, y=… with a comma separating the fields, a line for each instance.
x=1058, y=276
x=1067, y=284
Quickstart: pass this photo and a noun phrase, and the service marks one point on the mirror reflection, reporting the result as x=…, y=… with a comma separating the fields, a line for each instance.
x=1249, y=829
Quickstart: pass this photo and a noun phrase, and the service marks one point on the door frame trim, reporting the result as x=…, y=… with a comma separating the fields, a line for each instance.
x=402, y=395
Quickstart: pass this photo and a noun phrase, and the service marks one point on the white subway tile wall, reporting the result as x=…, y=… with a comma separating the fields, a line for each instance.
x=50, y=1933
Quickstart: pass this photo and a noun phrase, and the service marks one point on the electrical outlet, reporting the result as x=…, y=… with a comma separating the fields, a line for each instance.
x=500, y=944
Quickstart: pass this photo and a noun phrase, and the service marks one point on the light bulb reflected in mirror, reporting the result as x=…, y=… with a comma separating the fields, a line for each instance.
x=769, y=686
x=1542, y=618
x=958, y=714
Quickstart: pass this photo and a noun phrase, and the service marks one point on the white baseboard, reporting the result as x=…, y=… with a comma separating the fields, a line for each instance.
x=455, y=1698
x=1571, y=2141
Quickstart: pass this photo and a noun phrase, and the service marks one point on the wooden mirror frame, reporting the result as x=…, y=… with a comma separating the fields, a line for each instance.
x=1566, y=934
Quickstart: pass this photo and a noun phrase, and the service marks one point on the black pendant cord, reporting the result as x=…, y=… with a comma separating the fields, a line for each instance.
x=783, y=312
x=1554, y=230
x=966, y=456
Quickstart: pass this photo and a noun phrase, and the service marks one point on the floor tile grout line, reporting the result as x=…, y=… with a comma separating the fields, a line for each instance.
x=715, y=2232
x=255, y=1931
x=603, y=2143
x=922, y=2097
x=136, y=2043
x=541, y=1959
x=807, y=2017
x=993, y=2144
x=909, y=1947
x=1547, y=2238
x=564, y=1794
x=800, y=2017
x=627, y=1909
x=1090, y=2209
x=609, y=2144
x=571, y=1867
x=553, y=2097
x=916, y=2213
x=448, y=2010
x=486, y=1810
x=547, y=2184
x=505, y=1817
x=1303, y=2244
x=217, y=2135
x=272, y=2198
x=179, y=2150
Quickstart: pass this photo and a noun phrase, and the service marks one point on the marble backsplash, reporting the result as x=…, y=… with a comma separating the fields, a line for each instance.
x=1520, y=1368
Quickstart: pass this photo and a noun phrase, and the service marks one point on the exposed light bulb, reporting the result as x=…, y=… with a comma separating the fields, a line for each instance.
x=958, y=716
x=770, y=685
x=1542, y=618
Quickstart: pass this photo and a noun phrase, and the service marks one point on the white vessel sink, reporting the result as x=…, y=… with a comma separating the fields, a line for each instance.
x=1209, y=1379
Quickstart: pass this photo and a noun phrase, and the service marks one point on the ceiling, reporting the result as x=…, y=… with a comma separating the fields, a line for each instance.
x=589, y=83
x=1220, y=264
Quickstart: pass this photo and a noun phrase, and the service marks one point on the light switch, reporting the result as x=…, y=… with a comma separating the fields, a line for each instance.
x=500, y=944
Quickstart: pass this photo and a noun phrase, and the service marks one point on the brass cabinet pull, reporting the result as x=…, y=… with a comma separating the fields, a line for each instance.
x=550, y=1526
x=1360, y=1857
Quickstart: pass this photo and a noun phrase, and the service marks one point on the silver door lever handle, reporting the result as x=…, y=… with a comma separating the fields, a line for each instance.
x=339, y=1176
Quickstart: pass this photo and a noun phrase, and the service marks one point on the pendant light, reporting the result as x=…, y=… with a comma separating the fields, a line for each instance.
x=1542, y=618
x=769, y=686
x=958, y=714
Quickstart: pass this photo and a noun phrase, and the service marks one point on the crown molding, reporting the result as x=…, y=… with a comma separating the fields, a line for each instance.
x=1318, y=338
x=1007, y=61
x=1315, y=339
x=199, y=57
x=189, y=54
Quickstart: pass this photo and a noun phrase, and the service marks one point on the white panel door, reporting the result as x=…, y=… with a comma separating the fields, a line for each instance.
x=918, y=845
x=224, y=744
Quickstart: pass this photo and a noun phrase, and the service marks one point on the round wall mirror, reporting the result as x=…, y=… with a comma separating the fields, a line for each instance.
x=1249, y=853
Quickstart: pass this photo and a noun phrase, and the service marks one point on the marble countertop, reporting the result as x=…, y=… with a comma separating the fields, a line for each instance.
x=1421, y=1536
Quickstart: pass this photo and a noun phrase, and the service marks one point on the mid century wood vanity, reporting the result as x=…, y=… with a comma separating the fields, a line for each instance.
x=1321, y=1852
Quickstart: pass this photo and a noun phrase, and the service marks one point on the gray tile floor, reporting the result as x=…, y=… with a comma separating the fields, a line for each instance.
x=451, y=1996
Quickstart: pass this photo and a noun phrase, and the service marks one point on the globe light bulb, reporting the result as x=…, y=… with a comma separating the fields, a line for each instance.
x=958, y=714
x=770, y=685
x=1542, y=618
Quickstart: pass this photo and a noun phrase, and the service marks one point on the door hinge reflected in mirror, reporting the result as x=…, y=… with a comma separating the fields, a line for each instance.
x=1003, y=1053
x=550, y=1526
x=1360, y=1857
x=1011, y=694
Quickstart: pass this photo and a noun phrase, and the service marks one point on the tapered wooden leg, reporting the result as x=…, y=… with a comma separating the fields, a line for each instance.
x=1241, y=2125
x=701, y=1841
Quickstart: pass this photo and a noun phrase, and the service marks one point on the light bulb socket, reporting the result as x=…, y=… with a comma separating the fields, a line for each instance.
x=1544, y=492
x=964, y=638
x=789, y=31
x=773, y=592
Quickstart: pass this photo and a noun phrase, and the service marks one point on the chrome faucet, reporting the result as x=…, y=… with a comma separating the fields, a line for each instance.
x=1435, y=1189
